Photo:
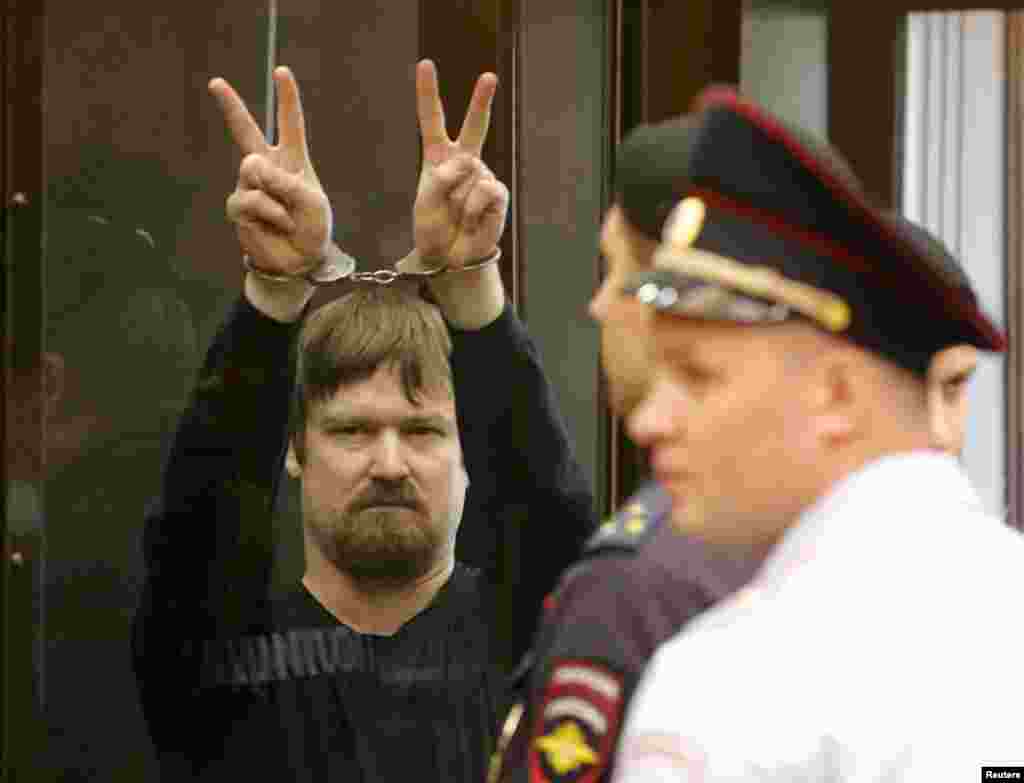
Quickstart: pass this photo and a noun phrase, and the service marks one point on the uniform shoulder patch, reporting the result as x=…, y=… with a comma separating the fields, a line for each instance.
x=632, y=524
x=577, y=723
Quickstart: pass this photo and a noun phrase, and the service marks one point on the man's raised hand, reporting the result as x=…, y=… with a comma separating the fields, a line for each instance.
x=279, y=208
x=460, y=209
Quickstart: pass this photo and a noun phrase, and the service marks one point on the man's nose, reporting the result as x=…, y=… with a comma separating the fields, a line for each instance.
x=388, y=459
x=647, y=423
x=598, y=306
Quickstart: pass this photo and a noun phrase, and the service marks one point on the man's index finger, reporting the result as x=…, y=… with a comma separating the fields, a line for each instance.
x=429, y=106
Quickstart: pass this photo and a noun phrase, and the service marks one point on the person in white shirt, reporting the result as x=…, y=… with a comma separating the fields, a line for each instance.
x=794, y=330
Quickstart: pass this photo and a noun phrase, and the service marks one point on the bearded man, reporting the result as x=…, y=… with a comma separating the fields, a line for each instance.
x=381, y=662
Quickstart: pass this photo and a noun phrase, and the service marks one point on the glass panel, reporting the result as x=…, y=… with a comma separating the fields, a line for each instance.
x=563, y=165
x=139, y=269
x=139, y=266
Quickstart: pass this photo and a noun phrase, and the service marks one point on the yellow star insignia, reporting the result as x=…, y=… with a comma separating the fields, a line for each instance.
x=566, y=748
x=636, y=525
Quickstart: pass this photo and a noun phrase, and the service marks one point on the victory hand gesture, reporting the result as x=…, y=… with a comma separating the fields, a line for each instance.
x=280, y=210
x=460, y=209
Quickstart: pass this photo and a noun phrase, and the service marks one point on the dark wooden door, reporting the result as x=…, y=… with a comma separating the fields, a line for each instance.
x=664, y=53
x=23, y=543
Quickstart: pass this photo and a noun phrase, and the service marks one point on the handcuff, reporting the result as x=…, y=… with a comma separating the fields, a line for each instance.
x=340, y=266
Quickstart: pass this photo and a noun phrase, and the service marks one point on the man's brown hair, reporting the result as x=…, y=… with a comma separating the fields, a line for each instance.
x=347, y=340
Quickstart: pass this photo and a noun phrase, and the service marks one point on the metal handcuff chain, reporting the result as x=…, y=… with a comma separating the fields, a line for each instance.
x=342, y=267
x=388, y=276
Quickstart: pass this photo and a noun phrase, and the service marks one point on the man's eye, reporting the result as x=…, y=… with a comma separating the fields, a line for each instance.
x=348, y=430
x=425, y=430
x=952, y=389
x=696, y=374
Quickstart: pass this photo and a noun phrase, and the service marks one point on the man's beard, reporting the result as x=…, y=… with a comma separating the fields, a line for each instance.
x=379, y=547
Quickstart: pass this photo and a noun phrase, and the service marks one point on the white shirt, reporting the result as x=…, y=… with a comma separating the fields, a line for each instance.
x=882, y=640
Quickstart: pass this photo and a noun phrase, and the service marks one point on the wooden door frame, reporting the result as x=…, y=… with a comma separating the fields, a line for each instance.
x=22, y=179
x=1015, y=273
x=662, y=54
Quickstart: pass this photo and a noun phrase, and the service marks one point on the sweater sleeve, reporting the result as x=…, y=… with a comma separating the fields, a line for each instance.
x=208, y=539
x=529, y=507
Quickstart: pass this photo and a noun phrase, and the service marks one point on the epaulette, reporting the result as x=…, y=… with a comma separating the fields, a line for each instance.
x=631, y=525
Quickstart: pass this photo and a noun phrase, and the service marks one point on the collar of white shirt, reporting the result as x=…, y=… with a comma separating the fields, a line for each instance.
x=891, y=499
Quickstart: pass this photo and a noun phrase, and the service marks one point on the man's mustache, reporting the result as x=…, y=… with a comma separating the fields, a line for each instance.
x=392, y=494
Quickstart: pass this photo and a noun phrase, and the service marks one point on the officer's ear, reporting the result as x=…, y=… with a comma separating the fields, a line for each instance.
x=837, y=396
x=822, y=369
x=291, y=461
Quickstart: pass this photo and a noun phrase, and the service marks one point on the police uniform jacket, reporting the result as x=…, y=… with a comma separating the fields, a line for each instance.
x=638, y=583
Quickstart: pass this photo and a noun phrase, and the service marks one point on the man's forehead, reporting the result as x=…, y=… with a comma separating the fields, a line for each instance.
x=675, y=333
x=953, y=361
x=680, y=336
x=380, y=398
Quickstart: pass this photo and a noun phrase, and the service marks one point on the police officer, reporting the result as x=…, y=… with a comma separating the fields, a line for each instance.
x=636, y=584
x=795, y=329
x=639, y=581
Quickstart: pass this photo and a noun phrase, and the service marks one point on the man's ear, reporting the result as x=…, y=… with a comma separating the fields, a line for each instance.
x=53, y=377
x=835, y=398
x=291, y=462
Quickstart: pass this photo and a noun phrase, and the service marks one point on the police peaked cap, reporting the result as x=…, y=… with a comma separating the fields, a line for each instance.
x=760, y=222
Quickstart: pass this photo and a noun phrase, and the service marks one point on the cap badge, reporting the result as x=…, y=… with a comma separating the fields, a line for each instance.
x=685, y=222
x=677, y=252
